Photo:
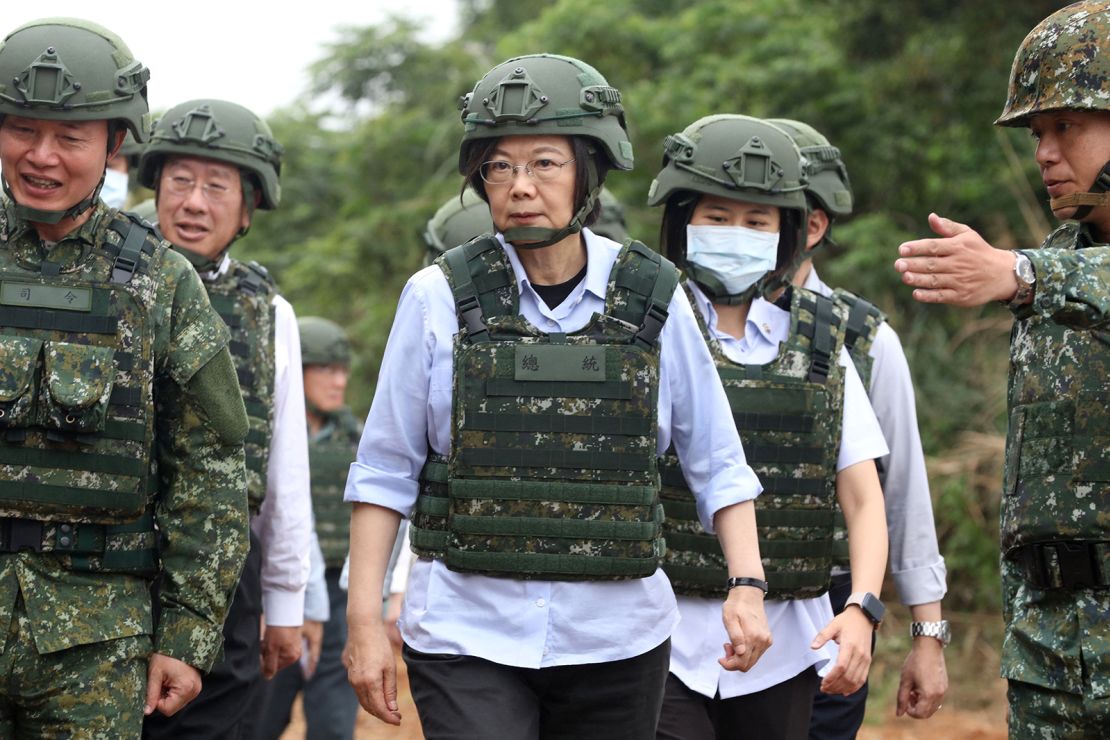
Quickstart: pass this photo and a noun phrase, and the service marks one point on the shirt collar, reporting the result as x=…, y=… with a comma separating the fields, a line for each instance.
x=68, y=252
x=597, y=267
x=764, y=318
x=814, y=283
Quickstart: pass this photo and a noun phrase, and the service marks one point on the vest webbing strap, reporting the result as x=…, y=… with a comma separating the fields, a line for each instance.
x=129, y=431
x=794, y=548
x=433, y=505
x=468, y=306
x=606, y=390
x=547, y=565
x=127, y=260
x=557, y=424
x=427, y=540
x=857, y=322
x=771, y=454
x=64, y=321
x=793, y=486
x=66, y=460
x=571, y=493
x=86, y=498
x=572, y=459
x=547, y=527
x=822, y=341
x=123, y=396
x=771, y=422
x=255, y=436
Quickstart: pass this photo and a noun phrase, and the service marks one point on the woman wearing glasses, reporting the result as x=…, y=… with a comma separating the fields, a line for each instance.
x=530, y=381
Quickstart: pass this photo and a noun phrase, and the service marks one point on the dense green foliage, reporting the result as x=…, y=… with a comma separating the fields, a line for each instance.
x=907, y=90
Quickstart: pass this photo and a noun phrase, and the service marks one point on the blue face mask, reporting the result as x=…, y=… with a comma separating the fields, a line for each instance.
x=114, y=190
x=732, y=256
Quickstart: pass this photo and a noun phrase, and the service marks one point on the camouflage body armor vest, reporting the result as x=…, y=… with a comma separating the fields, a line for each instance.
x=77, y=474
x=329, y=461
x=861, y=326
x=553, y=467
x=1056, y=487
x=788, y=413
x=243, y=297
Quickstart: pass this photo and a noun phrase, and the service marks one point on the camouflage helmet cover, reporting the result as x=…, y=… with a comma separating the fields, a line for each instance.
x=457, y=221
x=323, y=342
x=732, y=156
x=69, y=69
x=219, y=130
x=825, y=171
x=1063, y=64
x=546, y=94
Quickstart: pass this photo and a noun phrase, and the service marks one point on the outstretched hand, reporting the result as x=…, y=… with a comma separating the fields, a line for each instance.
x=959, y=268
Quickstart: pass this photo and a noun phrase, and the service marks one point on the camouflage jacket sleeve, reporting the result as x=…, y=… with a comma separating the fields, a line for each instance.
x=1073, y=284
x=201, y=506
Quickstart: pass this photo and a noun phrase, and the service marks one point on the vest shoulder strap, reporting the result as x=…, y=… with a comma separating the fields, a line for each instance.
x=254, y=279
x=822, y=332
x=641, y=285
x=136, y=238
x=863, y=320
x=482, y=284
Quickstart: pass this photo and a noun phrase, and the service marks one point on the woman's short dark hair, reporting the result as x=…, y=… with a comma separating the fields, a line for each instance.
x=679, y=209
x=584, y=150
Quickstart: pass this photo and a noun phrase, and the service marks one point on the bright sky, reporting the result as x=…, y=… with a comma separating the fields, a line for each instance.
x=252, y=53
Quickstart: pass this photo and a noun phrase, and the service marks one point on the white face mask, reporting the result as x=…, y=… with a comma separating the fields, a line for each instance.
x=736, y=256
x=114, y=190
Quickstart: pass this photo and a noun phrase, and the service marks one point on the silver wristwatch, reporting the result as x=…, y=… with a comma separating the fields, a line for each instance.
x=1026, y=278
x=939, y=630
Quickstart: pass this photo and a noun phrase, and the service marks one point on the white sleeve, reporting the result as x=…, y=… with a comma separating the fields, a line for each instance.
x=861, y=437
x=284, y=525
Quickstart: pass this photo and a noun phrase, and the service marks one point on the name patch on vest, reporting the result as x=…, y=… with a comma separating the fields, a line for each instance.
x=45, y=296
x=562, y=362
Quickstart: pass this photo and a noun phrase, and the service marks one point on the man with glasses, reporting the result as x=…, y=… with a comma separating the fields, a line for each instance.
x=210, y=164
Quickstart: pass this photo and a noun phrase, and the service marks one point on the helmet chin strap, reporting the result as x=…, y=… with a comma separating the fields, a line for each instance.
x=1096, y=197
x=41, y=216
x=536, y=237
x=716, y=291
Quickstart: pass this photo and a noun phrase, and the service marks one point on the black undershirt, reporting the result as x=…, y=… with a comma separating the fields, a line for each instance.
x=554, y=295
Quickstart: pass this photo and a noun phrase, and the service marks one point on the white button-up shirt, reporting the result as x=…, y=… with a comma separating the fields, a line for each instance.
x=696, y=644
x=536, y=623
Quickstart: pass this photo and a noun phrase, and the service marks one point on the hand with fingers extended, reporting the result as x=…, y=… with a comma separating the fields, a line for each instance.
x=746, y=624
x=852, y=631
x=372, y=670
x=959, y=268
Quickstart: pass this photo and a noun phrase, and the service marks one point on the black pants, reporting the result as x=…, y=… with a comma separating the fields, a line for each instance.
x=228, y=701
x=779, y=712
x=837, y=717
x=466, y=698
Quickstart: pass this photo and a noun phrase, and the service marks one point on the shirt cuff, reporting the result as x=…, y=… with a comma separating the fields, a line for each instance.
x=366, y=485
x=733, y=485
x=1048, y=292
x=284, y=608
x=188, y=638
x=922, y=585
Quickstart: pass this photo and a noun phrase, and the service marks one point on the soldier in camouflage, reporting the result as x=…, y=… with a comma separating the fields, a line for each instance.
x=531, y=379
x=330, y=705
x=735, y=217
x=122, y=457
x=915, y=561
x=1055, y=532
x=211, y=163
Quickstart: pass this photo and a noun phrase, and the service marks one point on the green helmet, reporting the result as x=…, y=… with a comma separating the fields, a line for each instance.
x=740, y=158
x=825, y=171
x=219, y=130
x=67, y=69
x=456, y=222
x=547, y=94
x=1063, y=64
x=323, y=342
x=611, y=223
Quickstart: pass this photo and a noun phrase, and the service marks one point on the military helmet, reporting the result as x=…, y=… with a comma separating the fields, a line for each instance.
x=610, y=223
x=732, y=156
x=323, y=342
x=546, y=94
x=456, y=222
x=825, y=171
x=1063, y=64
x=68, y=69
x=219, y=130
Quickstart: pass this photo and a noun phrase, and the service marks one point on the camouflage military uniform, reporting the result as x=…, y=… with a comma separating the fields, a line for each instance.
x=68, y=629
x=1056, y=650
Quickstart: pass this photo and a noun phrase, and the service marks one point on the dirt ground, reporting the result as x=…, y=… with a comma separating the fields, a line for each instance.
x=974, y=708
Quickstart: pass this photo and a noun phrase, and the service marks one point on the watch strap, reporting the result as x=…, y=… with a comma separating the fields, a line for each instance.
x=747, y=581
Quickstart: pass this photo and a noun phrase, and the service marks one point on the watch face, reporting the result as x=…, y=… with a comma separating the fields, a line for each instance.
x=1024, y=269
x=873, y=608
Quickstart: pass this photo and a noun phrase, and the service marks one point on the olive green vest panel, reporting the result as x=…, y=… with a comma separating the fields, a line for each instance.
x=553, y=469
x=76, y=407
x=1056, y=484
x=329, y=461
x=861, y=326
x=788, y=413
x=243, y=297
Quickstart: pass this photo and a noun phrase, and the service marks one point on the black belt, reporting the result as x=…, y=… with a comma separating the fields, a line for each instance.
x=1064, y=564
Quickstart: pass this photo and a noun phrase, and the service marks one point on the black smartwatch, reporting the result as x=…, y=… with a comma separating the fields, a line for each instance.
x=745, y=581
x=869, y=604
